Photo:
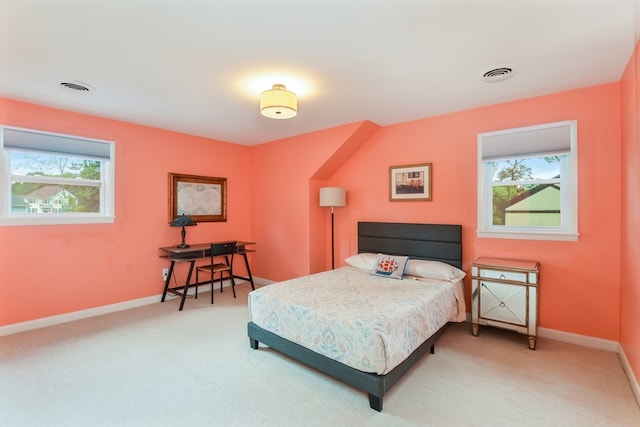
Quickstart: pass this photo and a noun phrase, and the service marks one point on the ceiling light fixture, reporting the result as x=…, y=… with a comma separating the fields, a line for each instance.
x=278, y=103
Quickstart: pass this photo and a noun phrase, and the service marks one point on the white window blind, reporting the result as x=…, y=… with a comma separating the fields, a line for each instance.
x=25, y=139
x=542, y=140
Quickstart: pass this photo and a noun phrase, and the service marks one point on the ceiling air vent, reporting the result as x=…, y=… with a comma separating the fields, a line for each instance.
x=498, y=74
x=77, y=86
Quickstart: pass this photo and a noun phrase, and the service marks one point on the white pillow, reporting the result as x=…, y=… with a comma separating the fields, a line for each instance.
x=433, y=270
x=363, y=261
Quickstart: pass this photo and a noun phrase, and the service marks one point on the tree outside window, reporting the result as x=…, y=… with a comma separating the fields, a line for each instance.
x=516, y=180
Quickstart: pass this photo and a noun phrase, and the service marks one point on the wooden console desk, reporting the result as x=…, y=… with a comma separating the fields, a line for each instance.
x=193, y=253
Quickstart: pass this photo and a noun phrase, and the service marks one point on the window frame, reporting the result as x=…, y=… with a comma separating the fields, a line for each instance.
x=568, y=230
x=42, y=144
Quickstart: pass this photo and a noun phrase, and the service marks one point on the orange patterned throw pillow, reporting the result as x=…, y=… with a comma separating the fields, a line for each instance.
x=390, y=266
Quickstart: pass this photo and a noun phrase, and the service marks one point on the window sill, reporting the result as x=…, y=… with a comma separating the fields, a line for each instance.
x=56, y=220
x=523, y=235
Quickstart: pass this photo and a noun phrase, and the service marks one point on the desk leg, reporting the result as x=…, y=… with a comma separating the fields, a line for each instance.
x=226, y=259
x=246, y=263
x=166, y=282
x=186, y=285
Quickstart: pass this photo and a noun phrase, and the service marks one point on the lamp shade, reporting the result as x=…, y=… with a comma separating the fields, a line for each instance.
x=182, y=221
x=278, y=103
x=333, y=196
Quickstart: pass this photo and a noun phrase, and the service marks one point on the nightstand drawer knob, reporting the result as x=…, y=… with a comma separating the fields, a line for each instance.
x=502, y=277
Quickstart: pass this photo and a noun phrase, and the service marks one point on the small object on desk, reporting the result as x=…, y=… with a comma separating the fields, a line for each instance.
x=182, y=221
x=504, y=294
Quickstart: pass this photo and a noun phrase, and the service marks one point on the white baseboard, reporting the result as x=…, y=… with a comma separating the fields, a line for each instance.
x=630, y=375
x=583, y=340
x=97, y=311
x=76, y=315
x=568, y=337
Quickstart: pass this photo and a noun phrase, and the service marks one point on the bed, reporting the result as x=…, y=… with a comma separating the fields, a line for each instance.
x=365, y=329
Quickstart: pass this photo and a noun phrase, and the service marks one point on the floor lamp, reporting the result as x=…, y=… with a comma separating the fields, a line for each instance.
x=334, y=197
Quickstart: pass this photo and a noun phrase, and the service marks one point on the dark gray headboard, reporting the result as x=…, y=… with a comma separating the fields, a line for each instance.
x=437, y=242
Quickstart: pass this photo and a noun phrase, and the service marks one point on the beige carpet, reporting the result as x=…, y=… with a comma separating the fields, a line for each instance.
x=155, y=366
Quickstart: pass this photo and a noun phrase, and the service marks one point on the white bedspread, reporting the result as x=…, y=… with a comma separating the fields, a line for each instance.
x=368, y=322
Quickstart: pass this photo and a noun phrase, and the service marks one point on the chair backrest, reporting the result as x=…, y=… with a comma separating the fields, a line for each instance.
x=223, y=248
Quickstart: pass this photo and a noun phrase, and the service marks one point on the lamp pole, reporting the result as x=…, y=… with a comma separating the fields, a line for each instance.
x=183, y=233
x=333, y=257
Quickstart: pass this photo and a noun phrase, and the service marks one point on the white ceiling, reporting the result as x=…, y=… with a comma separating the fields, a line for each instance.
x=198, y=67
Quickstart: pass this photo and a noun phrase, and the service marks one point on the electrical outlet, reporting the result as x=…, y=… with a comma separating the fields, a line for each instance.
x=165, y=273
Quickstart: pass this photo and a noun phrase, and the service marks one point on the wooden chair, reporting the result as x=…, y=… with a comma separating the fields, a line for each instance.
x=224, y=250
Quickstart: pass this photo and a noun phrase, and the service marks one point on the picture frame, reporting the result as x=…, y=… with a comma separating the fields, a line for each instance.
x=410, y=182
x=202, y=198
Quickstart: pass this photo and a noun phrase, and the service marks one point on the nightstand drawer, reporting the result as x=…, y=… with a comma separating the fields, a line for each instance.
x=513, y=276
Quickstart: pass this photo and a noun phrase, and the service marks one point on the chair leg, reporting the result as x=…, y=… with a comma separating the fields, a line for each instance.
x=213, y=281
x=197, y=283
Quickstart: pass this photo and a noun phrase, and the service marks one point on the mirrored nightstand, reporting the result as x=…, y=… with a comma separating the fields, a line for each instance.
x=504, y=294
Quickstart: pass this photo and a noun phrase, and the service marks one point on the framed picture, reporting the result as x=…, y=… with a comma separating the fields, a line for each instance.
x=202, y=198
x=410, y=182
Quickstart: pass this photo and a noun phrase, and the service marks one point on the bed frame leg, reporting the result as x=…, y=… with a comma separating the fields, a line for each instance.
x=375, y=402
x=433, y=349
x=254, y=343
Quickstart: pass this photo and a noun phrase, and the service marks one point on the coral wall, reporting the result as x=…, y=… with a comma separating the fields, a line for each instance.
x=630, y=252
x=50, y=270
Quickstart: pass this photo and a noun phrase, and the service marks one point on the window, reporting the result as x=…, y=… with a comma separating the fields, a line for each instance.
x=55, y=179
x=528, y=182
